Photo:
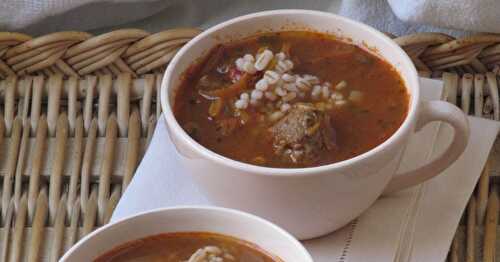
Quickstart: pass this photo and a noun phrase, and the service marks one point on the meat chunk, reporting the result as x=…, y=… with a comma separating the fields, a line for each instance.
x=301, y=135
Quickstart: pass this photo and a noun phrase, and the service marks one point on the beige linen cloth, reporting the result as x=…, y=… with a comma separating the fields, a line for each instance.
x=395, y=16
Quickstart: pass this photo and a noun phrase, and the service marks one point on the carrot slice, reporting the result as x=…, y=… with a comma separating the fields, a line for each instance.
x=233, y=90
x=215, y=107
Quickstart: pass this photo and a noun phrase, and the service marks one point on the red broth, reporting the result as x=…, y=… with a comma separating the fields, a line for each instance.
x=176, y=247
x=366, y=101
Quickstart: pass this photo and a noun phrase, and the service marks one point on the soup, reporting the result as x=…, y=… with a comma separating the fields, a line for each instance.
x=290, y=100
x=190, y=247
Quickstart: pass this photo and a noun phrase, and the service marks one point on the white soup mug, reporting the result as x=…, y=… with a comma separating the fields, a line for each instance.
x=310, y=202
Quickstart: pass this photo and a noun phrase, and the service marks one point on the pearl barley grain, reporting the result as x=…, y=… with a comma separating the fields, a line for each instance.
x=275, y=116
x=288, y=78
x=249, y=58
x=325, y=92
x=336, y=96
x=341, y=85
x=289, y=97
x=241, y=104
x=303, y=84
x=285, y=107
x=280, y=91
x=256, y=94
x=244, y=96
x=284, y=66
x=280, y=88
x=291, y=87
x=249, y=67
x=263, y=59
x=356, y=96
x=239, y=63
x=262, y=84
x=313, y=80
x=316, y=91
x=340, y=102
x=271, y=77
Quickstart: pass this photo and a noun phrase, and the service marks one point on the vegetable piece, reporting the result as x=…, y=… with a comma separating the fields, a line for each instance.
x=244, y=117
x=272, y=63
x=341, y=85
x=215, y=107
x=356, y=96
x=275, y=116
x=313, y=129
x=233, y=90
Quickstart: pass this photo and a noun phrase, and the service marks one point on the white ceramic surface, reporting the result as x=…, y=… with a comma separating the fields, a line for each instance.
x=229, y=222
x=309, y=202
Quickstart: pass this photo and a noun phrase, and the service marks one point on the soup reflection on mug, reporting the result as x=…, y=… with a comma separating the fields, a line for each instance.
x=290, y=99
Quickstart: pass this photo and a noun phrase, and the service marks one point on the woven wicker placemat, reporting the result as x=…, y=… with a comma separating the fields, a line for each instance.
x=469, y=68
x=77, y=112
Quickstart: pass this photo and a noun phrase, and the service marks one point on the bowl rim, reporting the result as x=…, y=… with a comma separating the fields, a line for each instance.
x=231, y=212
x=412, y=86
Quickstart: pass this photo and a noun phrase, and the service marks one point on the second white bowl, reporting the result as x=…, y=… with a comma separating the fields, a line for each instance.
x=229, y=222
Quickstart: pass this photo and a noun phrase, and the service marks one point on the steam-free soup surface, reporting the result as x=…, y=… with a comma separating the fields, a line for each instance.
x=188, y=246
x=316, y=101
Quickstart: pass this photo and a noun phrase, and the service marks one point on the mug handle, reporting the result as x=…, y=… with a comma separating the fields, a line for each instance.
x=435, y=111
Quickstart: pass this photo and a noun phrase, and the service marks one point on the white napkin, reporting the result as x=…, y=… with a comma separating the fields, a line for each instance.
x=413, y=225
x=386, y=15
x=444, y=198
x=477, y=15
x=402, y=17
